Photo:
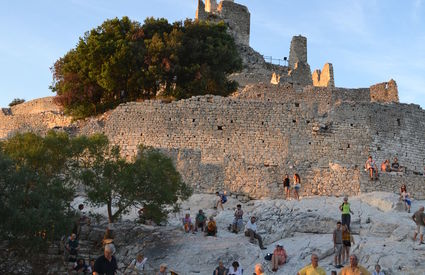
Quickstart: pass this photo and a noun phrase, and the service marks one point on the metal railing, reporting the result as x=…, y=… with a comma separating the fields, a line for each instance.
x=276, y=61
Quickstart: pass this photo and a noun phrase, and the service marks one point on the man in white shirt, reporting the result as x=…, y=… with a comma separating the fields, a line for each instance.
x=251, y=232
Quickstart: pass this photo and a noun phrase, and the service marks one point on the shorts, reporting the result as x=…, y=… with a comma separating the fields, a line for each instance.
x=338, y=249
x=286, y=185
x=420, y=229
x=408, y=201
x=297, y=187
x=346, y=243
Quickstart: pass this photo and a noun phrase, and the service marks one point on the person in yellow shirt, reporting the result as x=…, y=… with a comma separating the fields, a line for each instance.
x=313, y=268
x=354, y=268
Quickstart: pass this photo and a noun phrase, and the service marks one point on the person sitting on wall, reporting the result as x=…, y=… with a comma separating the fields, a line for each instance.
x=211, y=228
x=370, y=166
x=395, y=166
x=187, y=224
x=386, y=166
x=200, y=220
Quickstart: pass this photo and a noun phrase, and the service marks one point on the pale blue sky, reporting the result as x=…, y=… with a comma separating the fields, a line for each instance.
x=368, y=41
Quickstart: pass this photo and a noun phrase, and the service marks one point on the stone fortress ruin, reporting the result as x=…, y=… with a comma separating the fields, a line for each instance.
x=283, y=119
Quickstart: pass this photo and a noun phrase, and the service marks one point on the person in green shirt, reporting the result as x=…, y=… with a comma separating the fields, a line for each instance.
x=313, y=268
x=200, y=220
x=346, y=217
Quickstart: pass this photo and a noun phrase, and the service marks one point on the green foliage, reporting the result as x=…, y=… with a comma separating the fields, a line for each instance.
x=16, y=101
x=151, y=180
x=35, y=189
x=122, y=60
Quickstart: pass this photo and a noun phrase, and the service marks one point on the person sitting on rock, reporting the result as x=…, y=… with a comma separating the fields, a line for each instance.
x=211, y=228
x=258, y=269
x=370, y=166
x=220, y=200
x=312, y=268
x=200, y=220
x=378, y=270
x=72, y=247
x=235, y=269
x=90, y=267
x=354, y=268
x=187, y=224
x=80, y=266
x=238, y=220
x=138, y=264
x=279, y=257
x=162, y=269
x=220, y=269
x=251, y=232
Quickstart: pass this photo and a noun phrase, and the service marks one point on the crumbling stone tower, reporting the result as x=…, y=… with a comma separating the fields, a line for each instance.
x=299, y=68
x=236, y=16
x=324, y=77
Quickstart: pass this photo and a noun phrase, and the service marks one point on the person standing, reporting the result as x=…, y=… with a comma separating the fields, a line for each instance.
x=200, y=220
x=106, y=264
x=337, y=239
x=238, y=220
x=297, y=186
x=251, y=232
x=346, y=210
x=286, y=186
x=313, y=268
x=419, y=218
x=347, y=240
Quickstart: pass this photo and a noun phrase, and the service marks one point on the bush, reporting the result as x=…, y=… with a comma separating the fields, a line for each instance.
x=16, y=101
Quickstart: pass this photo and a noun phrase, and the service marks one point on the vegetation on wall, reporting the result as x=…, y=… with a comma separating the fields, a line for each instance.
x=16, y=101
x=123, y=60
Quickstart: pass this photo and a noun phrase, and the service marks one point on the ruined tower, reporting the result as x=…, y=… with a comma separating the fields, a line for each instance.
x=324, y=77
x=299, y=69
x=236, y=16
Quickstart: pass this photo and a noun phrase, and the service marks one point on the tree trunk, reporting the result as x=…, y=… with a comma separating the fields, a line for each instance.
x=110, y=216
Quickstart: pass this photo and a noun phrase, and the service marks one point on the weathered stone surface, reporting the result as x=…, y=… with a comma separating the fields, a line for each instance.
x=384, y=92
x=324, y=77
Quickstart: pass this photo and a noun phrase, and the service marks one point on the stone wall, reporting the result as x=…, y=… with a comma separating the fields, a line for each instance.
x=245, y=146
x=384, y=92
x=38, y=115
x=246, y=143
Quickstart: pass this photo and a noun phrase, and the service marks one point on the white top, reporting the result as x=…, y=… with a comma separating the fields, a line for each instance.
x=380, y=273
x=233, y=272
x=252, y=226
x=139, y=265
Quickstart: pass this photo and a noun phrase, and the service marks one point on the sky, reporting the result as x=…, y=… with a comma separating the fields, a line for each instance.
x=367, y=41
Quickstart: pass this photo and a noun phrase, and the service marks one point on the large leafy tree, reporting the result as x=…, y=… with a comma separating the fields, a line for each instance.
x=122, y=60
x=151, y=180
x=35, y=189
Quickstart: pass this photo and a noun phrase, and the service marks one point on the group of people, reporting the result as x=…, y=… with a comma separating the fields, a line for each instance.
x=342, y=237
x=353, y=268
x=296, y=186
x=208, y=227
x=386, y=166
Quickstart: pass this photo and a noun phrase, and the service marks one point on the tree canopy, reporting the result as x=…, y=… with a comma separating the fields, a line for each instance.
x=38, y=177
x=123, y=60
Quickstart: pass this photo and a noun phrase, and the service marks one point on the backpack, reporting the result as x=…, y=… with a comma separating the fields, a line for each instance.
x=268, y=257
x=223, y=198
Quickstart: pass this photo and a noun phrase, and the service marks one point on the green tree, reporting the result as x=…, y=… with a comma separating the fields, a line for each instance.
x=35, y=189
x=103, y=70
x=122, y=60
x=151, y=180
